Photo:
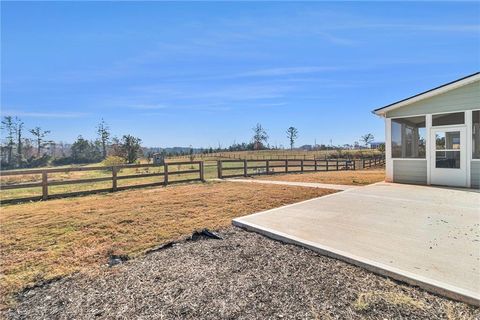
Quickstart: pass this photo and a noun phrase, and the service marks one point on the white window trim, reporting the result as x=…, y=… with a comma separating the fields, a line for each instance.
x=428, y=150
x=428, y=128
x=469, y=142
x=470, y=132
x=388, y=150
x=449, y=126
x=390, y=134
x=412, y=116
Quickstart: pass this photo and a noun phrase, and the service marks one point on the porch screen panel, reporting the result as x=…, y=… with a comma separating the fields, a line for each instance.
x=408, y=137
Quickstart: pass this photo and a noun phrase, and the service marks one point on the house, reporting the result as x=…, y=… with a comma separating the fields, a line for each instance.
x=433, y=137
x=376, y=144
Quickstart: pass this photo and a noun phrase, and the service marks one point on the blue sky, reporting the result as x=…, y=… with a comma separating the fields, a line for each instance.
x=203, y=74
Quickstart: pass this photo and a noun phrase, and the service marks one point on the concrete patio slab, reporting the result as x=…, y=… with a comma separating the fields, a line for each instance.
x=425, y=236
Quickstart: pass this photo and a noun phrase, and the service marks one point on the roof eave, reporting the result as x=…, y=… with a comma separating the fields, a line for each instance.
x=428, y=94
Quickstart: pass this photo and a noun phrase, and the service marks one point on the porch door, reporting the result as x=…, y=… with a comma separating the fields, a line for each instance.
x=448, y=165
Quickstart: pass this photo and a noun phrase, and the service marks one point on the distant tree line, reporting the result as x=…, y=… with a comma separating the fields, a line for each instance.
x=27, y=148
x=259, y=141
x=17, y=150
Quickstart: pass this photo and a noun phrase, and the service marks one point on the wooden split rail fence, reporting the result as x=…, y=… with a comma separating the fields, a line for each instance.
x=225, y=169
x=373, y=162
x=242, y=168
x=45, y=183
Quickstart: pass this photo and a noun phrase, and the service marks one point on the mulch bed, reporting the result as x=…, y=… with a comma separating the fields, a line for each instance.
x=243, y=276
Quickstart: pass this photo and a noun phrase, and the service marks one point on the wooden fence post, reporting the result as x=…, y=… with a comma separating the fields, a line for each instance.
x=165, y=173
x=44, y=185
x=245, y=168
x=301, y=165
x=316, y=169
x=202, y=171
x=286, y=166
x=267, y=164
x=219, y=169
x=337, y=164
x=326, y=164
x=114, y=178
x=353, y=165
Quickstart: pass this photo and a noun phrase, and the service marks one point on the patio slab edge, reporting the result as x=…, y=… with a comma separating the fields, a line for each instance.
x=430, y=285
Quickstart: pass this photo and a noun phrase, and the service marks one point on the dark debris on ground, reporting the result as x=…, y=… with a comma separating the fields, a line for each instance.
x=241, y=276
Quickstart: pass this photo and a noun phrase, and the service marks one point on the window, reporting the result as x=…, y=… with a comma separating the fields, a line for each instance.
x=408, y=137
x=476, y=134
x=447, y=149
x=448, y=119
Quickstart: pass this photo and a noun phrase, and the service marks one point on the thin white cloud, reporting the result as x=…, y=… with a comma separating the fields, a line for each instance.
x=267, y=105
x=422, y=27
x=147, y=106
x=207, y=107
x=43, y=114
x=285, y=71
x=217, y=94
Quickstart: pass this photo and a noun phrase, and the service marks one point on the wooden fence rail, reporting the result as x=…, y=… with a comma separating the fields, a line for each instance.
x=45, y=183
x=244, y=168
x=373, y=162
x=225, y=169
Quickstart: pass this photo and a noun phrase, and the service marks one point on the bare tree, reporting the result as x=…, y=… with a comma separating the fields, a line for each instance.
x=39, y=138
x=52, y=146
x=63, y=149
x=260, y=137
x=104, y=136
x=9, y=126
x=367, y=139
x=19, y=132
x=191, y=155
x=292, y=135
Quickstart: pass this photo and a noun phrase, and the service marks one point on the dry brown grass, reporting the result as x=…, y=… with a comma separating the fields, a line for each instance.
x=368, y=300
x=358, y=177
x=43, y=240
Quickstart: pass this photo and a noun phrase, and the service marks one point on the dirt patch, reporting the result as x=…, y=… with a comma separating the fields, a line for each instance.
x=243, y=276
x=44, y=240
x=350, y=177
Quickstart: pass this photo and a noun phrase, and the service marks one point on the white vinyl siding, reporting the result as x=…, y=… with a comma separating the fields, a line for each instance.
x=459, y=99
x=475, y=174
x=410, y=171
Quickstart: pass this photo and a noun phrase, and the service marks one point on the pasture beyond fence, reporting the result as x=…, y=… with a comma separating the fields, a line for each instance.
x=245, y=168
x=20, y=185
x=285, y=155
x=163, y=172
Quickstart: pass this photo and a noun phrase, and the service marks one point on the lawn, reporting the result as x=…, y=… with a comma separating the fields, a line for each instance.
x=44, y=240
x=358, y=177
